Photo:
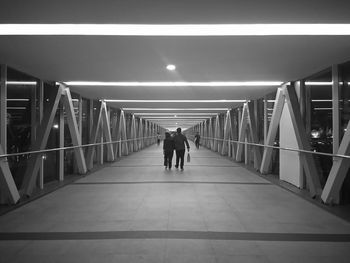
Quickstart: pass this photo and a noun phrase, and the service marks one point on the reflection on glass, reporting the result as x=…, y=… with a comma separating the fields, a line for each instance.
x=345, y=117
x=270, y=103
x=20, y=97
x=321, y=136
x=51, y=158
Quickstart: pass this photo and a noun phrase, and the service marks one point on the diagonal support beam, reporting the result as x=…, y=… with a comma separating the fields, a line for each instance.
x=303, y=143
x=140, y=134
x=331, y=190
x=272, y=132
x=114, y=128
x=122, y=134
x=254, y=134
x=34, y=161
x=106, y=127
x=7, y=184
x=134, y=134
x=217, y=134
x=74, y=131
x=93, y=139
x=242, y=133
x=227, y=133
x=210, y=133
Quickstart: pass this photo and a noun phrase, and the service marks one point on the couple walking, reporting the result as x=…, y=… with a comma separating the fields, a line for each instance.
x=178, y=143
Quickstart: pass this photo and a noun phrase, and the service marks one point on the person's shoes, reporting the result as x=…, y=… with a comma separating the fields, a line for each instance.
x=169, y=168
x=182, y=168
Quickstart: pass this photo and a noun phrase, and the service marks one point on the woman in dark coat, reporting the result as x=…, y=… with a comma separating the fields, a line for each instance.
x=168, y=149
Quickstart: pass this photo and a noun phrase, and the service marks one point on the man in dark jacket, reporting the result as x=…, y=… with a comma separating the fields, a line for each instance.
x=180, y=141
x=168, y=149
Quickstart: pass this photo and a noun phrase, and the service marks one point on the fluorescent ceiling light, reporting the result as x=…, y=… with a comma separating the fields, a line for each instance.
x=175, y=109
x=322, y=83
x=31, y=83
x=17, y=99
x=175, y=29
x=171, y=67
x=318, y=83
x=175, y=83
x=16, y=108
x=191, y=101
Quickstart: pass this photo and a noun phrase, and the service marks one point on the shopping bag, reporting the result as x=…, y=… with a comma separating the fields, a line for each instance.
x=188, y=158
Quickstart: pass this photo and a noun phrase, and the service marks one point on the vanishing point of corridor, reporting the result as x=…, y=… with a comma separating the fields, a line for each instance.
x=134, y=210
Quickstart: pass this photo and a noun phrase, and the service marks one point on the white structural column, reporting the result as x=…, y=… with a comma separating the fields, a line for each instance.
x=242, y=133
x=122, y=134
x=140, y=134
x=210, y=133
x=106, y=129
x=114, y=128
x=134, y=134
x=60, y=152
x=201, y=131
x=272, y=131
x=288, y=93
x=101, y=130
x=93, y=139
x=145, y=134
x=128, y=119
x=331, y=191
x=307, y=159
x=205, y=134
x=227, y=134
x=9, y=192
x=74, y=131
x=217, y=134
x=34, y=160
x=253, y=131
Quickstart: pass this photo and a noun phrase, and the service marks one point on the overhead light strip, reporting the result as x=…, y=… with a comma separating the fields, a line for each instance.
x=18, y=100
x=29, y=83
x=175, y=29
x=175, y=83
x=176, y=101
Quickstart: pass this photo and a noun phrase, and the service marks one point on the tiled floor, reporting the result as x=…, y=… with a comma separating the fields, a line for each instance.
x=136, y=211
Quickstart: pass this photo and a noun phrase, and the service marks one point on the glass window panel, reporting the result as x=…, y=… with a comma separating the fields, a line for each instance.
x=345, y=117
x=321, y=137
x=20, y=97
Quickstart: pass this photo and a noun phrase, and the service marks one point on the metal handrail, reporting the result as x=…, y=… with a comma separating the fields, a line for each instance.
x=281, y=148
x=149, y=137
x=71, y=147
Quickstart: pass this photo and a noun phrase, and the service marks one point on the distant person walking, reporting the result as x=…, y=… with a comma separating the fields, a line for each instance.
x=168, y=149
x=197, y=139
x=158, y=139
x=180, y=141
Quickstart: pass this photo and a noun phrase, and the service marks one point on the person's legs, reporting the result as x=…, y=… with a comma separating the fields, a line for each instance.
x=182, y=157
x=177, y=158
x=170, y=158
x=165, y=160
